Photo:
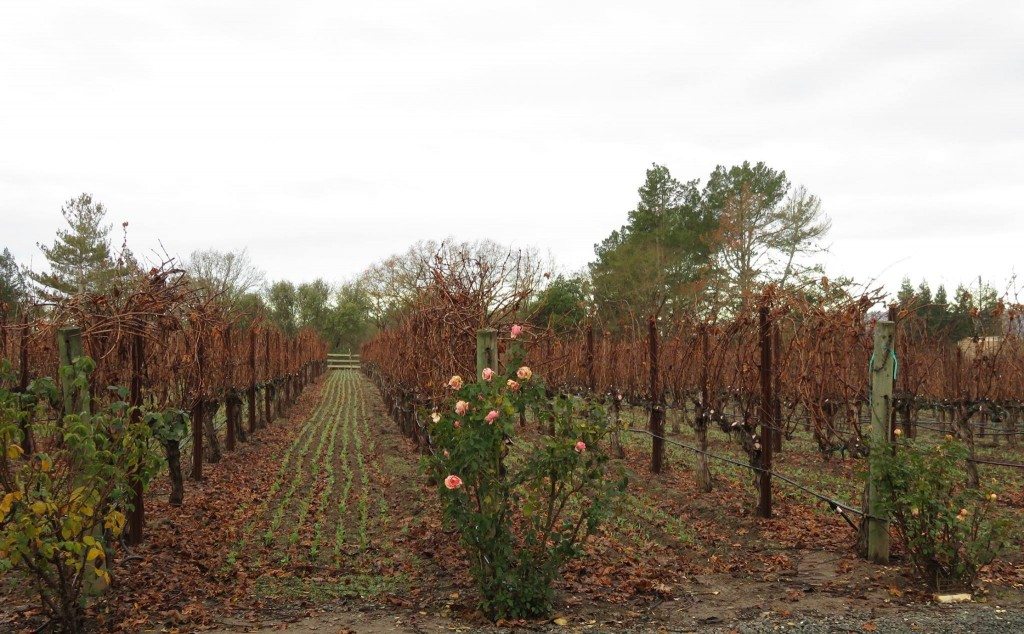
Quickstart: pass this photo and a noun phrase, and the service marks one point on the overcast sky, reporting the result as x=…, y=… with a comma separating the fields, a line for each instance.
x=326, y=135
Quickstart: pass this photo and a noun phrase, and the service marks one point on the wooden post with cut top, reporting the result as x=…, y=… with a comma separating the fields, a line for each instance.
x=69, y=348
x=881, y=369
x=486, y=350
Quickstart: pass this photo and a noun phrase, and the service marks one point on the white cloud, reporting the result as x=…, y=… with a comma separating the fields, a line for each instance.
x=326, y=135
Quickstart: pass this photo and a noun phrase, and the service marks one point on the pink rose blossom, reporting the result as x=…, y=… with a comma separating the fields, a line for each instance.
x=580, y=446
x=455, y=382
x=446, y=454
x=491, y=416
x=453, y=482
x=524, y=373
x=457, y=424
x=461, y=408
x=512, y=385
x=488, y=374
x=516, y=330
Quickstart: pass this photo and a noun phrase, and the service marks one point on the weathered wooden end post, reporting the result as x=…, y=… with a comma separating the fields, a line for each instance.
x=486, y=350
x=882, y=362
x=69, y=348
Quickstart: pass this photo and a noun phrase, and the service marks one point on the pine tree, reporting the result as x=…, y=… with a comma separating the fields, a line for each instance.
x=905, y=296
x=79, y=258
x=12, y=284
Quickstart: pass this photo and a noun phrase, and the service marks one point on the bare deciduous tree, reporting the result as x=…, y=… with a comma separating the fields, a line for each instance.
x=227, y=275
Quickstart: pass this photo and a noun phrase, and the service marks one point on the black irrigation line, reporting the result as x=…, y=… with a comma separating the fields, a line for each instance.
x=805, y=419
x=677, y=405
x=987, y=432
x=834, y=504
x=998, y=463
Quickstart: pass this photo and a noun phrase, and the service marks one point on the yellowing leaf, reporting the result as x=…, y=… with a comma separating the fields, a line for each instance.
x=38, y=508
x=8, y=502
x=94, y=553
x=45, y=464
x=14, y=452
x=115, y=522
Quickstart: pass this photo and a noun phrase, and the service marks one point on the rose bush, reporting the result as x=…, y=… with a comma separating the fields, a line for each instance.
x=949, y=531
x=522, y=505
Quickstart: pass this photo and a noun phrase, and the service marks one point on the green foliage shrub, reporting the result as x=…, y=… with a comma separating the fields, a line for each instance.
x=63, y=505
x=949, y=531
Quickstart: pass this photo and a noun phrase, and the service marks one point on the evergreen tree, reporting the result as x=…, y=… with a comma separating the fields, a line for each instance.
x=79, y=258
x=923, y=297
x=905, y=296
x=652, y=261
x=938, y=316
x=561, y=305
x=12, y=284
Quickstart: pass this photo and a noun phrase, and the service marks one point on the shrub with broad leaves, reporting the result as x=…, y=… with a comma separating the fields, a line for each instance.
x=948, y=530
x=523, y=504
x=63, y=505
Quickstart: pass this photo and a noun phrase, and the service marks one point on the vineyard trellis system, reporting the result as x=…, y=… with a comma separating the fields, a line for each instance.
x=178, y=351
x=776, y=363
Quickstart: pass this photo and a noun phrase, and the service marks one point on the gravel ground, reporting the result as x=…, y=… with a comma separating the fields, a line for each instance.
x=978, y=619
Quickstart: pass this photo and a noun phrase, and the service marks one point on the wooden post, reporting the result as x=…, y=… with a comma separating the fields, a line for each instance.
x=767, y=408
x=252, y=380
x=486, y=350
x=198, y=412
x=591, y=371
x=69, y=348
x=268, y=389
x=702, y=415
x=881, y=402
x=230, y=410
x=137, y=517
x=27, y=443
x=23, y=353
x=278, y=374
x=776, y=389
x=657, y=422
